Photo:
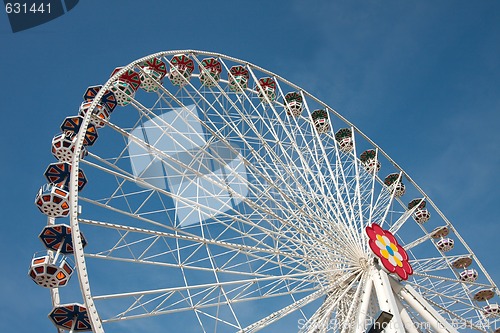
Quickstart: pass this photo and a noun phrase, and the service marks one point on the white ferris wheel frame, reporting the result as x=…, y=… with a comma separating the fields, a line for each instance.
x=387, y=289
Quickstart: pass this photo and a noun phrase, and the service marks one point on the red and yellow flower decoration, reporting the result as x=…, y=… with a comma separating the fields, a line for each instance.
x=386, y=247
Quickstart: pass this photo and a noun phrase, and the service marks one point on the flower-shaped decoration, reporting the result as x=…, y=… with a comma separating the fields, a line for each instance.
x=385, y=246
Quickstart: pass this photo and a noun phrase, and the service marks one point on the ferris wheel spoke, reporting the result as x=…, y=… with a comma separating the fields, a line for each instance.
x=426, y=265
x=277, y=315
x=335, y=300
x=383, y=204
x=456, y=280
x=373, y=205
x=315, y=174
x=312, y=153
x=403, y=218
x=146, y=185
x=175, y=302
x=268, y=168
x=447, y=294
x=231, y=252
x=417, y=241
x=217, y=319
x=189, y=298
x=249, y=184
x=348, y=204
x=319, y=321
x=338, y=208
x=339, y=205
x=337, y=211
x=273, y=167
x=286, y=252
x=267, y=286
x=350, y=317
x=356, y=191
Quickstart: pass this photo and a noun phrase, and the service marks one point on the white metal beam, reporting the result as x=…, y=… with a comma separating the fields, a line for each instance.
x=387, y=301
x=282, y=312
x=423, y=308
x=405, y=318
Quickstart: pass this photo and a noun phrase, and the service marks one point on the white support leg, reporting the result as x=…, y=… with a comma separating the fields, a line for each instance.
x=405, y=318
x=423, y=308
x=387, y=301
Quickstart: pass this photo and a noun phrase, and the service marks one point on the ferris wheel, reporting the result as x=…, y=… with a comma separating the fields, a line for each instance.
x=197, y=192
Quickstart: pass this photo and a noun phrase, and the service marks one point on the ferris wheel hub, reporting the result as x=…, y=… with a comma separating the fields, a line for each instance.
x=364, y=264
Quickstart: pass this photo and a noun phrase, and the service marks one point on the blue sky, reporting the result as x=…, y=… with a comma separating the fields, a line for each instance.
x=420, y=78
